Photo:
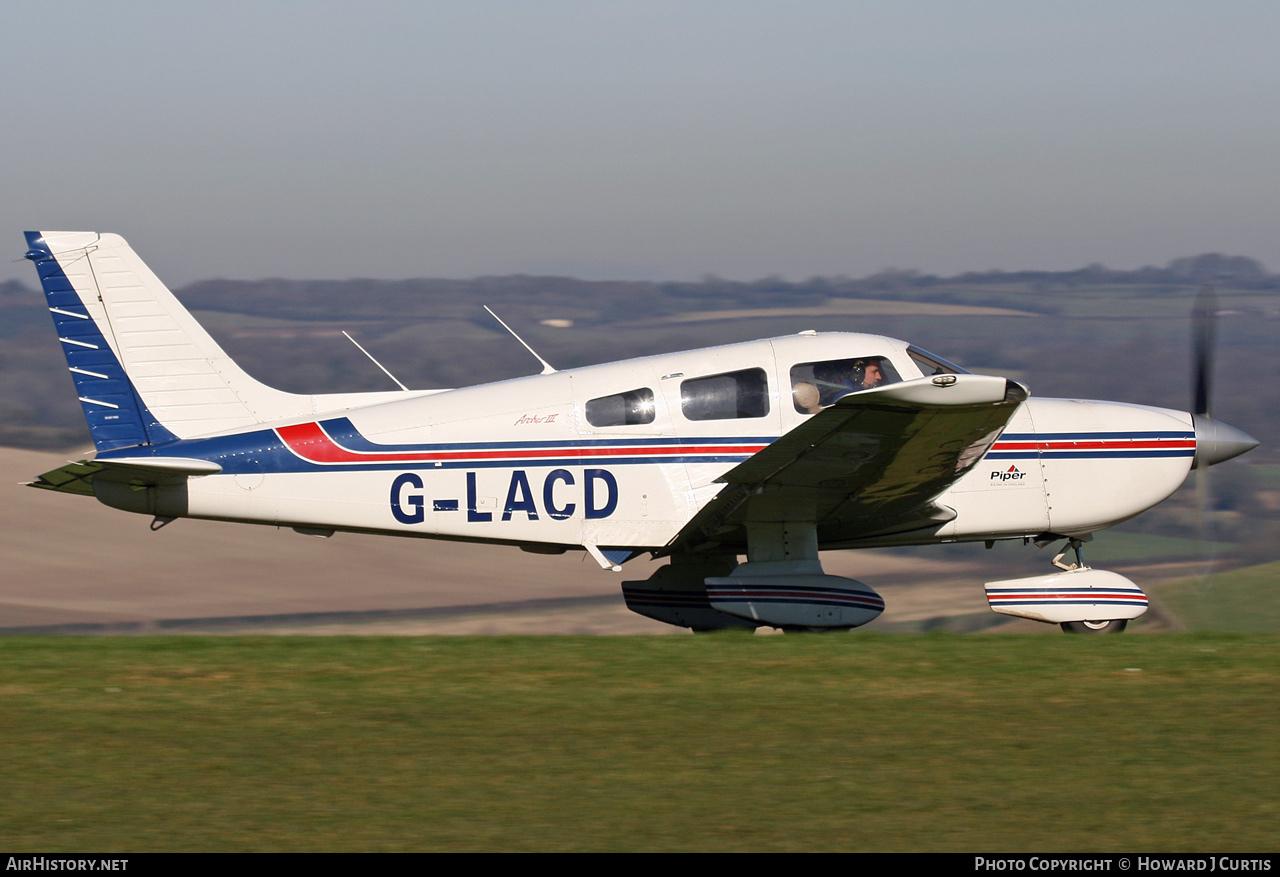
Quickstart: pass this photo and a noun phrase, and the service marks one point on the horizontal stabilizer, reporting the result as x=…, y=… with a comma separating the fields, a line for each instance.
x=164, y=465
x=72, y=478
x=78, y=477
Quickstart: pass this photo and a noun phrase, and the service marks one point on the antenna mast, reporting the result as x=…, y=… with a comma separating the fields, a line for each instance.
x=375, y=362
x=546, y=366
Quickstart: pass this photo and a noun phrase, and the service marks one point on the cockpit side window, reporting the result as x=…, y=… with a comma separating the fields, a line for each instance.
x=933, y=365
x=815, y=385
x=621, y=409
x=728, y=396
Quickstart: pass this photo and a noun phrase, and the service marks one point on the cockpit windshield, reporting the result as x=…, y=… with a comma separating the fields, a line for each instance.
x=934, y=365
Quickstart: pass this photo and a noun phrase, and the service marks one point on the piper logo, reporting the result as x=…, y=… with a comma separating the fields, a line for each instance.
x=1010, y=474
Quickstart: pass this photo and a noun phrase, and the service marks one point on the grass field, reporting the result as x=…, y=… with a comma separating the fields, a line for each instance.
x=837, y=742
x=1243, y=600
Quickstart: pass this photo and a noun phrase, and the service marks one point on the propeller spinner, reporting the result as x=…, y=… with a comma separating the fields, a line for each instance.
x=1215, y=441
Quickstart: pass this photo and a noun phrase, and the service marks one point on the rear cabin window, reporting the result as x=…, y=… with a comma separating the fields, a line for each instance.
x=729, y=396
x=815, y=385
x=621, y=409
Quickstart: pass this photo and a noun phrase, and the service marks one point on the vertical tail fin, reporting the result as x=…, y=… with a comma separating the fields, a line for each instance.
x=145, y=370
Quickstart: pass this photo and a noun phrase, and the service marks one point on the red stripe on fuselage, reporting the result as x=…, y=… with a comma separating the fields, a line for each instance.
x=1101, y=445
x=310, y=442
x=1070, y=595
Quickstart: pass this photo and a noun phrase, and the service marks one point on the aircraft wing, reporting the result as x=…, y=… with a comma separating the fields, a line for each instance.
x=871, y=464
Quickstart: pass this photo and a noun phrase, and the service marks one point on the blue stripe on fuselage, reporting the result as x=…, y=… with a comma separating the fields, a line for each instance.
x=263, y=451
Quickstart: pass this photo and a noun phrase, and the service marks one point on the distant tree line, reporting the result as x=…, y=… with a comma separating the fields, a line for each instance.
x=434, y=332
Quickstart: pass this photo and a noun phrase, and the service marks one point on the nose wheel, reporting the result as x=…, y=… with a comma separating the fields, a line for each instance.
x=1115, y=626
x=1089, y=627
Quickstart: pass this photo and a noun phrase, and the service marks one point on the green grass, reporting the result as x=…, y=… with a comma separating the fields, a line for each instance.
x=1243, y=600
x=837, y=742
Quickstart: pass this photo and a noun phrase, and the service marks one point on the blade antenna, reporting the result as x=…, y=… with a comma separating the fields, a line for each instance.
x=546, y=366
x=375, y=362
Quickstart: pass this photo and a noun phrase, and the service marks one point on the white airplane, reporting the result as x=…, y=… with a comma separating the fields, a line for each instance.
x=775, y=449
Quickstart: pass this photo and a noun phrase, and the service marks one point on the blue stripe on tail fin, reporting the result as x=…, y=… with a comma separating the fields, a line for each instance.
x=117, y=417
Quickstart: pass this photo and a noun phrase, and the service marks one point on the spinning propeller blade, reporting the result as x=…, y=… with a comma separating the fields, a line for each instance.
x=1215, y=442
x=1204, y=331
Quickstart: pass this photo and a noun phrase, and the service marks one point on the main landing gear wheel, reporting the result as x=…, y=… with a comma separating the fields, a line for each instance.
x=1115, y=626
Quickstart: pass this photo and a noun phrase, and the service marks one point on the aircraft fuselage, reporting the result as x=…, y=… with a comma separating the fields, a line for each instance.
x=545, y=474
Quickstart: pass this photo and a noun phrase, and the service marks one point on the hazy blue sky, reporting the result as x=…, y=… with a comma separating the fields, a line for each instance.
x=643, y=139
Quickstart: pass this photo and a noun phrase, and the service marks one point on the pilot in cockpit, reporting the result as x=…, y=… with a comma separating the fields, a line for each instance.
x=843, y=376
x=872, y=373
x=817, y=385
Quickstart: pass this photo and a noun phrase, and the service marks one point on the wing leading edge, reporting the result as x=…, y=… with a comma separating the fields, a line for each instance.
x=871, y=464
